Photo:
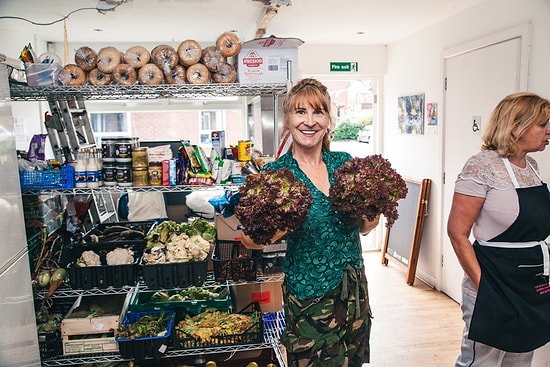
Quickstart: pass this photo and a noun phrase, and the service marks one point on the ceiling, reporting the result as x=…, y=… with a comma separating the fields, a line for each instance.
x=356, y=22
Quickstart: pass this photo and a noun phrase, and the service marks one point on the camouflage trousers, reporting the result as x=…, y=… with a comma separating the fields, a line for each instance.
x=332, y=330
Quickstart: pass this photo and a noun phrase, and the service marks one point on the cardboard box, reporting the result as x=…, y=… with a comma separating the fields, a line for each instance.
x=43, y=74
x=265, y=60
x=269, y=295
x=227, y=228
x=84, y=334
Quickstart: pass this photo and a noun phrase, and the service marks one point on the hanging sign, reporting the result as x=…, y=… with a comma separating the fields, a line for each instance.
x=344, y=66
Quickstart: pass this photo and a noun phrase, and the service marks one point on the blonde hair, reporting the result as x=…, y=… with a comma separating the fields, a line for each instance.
x=511, y=118
x=316, y=94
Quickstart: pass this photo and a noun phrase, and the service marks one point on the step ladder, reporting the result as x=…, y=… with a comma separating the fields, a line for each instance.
x=68, y=128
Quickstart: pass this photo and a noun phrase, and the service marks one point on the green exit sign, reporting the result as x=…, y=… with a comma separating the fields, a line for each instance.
x=345, y=66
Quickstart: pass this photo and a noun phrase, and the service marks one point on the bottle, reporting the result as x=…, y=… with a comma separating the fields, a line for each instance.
x=80, y=169
x=92, y=169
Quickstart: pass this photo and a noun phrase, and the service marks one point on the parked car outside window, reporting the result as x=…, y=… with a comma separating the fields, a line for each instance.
x=364, y=135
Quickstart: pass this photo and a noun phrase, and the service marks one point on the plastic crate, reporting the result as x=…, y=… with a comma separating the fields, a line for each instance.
x=254, y=334
x=103, y=276
x=49, y=344
x=141, y=348
x=174, y=275
x=143, y=301
x=47, y=179
x=233, y=261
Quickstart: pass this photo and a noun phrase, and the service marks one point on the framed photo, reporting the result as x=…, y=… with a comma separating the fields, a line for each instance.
x=431, y=113
x=410, y=112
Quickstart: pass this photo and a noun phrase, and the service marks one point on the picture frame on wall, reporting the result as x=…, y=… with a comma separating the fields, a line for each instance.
x=410, y=114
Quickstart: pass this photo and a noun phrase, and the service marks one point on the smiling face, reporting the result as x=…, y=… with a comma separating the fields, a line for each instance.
x=307, y=115
x=308, y=124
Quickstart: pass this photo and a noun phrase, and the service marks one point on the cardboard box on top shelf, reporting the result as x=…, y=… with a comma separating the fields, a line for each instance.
x=265, y=60
x=227, y=229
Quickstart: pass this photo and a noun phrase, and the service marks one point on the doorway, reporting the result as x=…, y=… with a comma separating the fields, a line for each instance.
x=478, y=75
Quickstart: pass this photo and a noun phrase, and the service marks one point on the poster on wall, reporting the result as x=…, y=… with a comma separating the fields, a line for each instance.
x=431, y=118
x=411, y=114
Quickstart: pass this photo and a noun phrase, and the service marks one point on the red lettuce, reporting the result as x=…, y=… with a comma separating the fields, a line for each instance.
x=271, y=201
x=366, y=187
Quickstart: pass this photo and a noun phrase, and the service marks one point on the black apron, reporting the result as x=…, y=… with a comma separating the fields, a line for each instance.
x=512, y=309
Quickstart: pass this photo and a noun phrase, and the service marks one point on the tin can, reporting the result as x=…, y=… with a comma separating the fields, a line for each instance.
x=243, y=150
x=140, y=177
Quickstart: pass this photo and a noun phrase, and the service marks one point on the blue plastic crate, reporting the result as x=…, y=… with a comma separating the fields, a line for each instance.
x=47, y=179
x=142, y=348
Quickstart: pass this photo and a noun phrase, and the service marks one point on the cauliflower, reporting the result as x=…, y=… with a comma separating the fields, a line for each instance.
x=88, y=258
x=155, y=256
x=120, y=256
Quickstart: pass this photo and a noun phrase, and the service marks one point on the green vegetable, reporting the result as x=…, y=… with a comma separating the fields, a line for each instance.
x=366, y=187
x=272, y=200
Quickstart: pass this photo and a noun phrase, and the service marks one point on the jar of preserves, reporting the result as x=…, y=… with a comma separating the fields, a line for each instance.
x=139, y=157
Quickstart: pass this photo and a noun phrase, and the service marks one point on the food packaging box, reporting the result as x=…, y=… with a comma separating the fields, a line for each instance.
x=253, y=334
x=266, y=60
x=269, y=295
x=218, y=142
x=142, y=348
x=145, y=301
x=175, y=275
x=234, y=262
x=43, y=74
x=90, y=324
x=227, y=228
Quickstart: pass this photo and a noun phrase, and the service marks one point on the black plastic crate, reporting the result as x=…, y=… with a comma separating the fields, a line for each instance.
x=175, y=275
x=254, y=333
x=142, y=348
x=49, y=344
x=103, y=276
x=233, y=261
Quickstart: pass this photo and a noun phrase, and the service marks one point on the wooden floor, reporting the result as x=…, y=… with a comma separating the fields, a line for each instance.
x=413, y=326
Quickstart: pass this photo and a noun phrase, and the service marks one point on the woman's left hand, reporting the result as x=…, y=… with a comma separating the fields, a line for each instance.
x=369, y=225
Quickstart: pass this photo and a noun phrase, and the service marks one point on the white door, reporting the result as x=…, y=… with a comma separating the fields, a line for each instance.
x=477, y=78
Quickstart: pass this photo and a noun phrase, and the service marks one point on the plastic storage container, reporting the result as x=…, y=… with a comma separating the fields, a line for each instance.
x=233, y=261
x=141, y=348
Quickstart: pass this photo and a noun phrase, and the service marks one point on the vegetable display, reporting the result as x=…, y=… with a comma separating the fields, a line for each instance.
x=146, y=326
x=272, y=201
x=170, y=242
x=366, y=187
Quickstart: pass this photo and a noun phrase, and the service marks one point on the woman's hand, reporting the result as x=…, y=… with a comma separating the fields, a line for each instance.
x=369, y=225
x=250, y=244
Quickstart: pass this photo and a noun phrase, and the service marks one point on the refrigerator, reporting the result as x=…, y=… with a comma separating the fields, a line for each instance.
x=18, y=337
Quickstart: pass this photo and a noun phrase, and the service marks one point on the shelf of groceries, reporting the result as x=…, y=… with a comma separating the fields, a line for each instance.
x=119, y=189
x=21, y=92
x=273, y=326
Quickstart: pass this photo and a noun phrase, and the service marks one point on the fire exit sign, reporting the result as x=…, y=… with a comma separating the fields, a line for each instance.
x=345, y=66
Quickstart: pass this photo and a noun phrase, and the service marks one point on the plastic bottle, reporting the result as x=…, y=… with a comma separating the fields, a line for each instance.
x=80, y=169
x=92, y=170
